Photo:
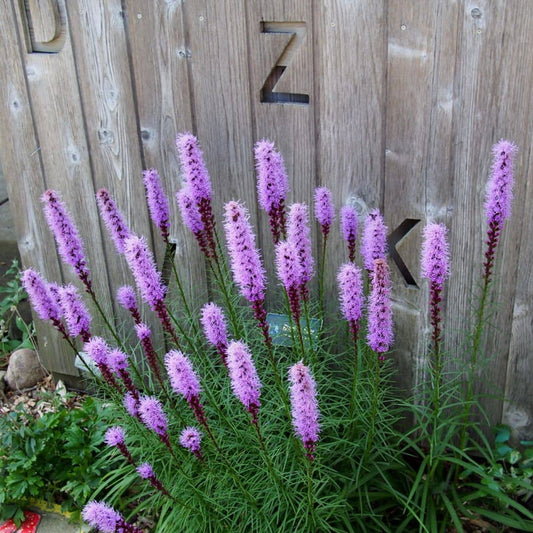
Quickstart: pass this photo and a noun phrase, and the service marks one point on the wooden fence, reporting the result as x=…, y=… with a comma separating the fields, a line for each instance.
x=391, y=103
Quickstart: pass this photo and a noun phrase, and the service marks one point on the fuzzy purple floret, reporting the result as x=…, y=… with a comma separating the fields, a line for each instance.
x=143, y=331
x=435, y=256
x=131, y=405
x=42, y=299
x=374, y=240
x=380, y=328
x=299, y=234
x=190, y=439
x=97, y=349
x=117, y=360
x=142, y=265
x=126, y=297
x=324, y=209
x=115, y=436
x=248, y=272
x=350, y=291
x=75, y=312
x=146, y=471
x=157, y=201
x=152, y=415
x=102, y=517
x=66, y=234
x=244, y=379
x=195, y=173
x=499, y=195
x=288, y=265
x=183, y=378
x=214, y=324
x=272, y=182
x=189, y=211
x=305, y=413
x=113, y=219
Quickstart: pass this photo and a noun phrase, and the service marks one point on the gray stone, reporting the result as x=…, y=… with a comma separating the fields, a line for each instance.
x=24, y=369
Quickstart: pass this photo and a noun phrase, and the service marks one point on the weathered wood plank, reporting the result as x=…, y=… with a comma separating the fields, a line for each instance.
x=491, y=92
x=101, y=57
x=23, y=172
x=164, y=107
x=62, y=145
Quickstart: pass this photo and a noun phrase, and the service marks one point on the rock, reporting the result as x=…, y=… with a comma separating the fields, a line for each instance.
x=24, y=369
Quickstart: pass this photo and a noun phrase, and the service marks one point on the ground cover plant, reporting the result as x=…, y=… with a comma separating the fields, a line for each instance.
x=258, y=413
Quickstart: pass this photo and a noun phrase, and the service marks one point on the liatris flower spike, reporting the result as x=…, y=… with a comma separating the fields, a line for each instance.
x=499, y=199
x=215, y=330
x=105, y=519
x=118, y=363
x=153, y=417
x=116, y=438
x=184, y=381
x=113, y=219
x=288, y=268
x=66, y=234
x=244, y=379
x=324, y=209
x=42, y=300
x=145, y=336
x=190, y=439
x=435, y=266
x=305, y=413
x=374, y=241
x=98, y=350
x=351, y=295
x=157, y=201
x=127, y=299
x=299, y=234
x=380, y=328
x=272, y=185
x=146, y=471
x=349, y=224
x=75, y=312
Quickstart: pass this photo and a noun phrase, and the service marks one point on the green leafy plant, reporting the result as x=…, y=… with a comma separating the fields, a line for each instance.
x=15, y=332
x=54, y=457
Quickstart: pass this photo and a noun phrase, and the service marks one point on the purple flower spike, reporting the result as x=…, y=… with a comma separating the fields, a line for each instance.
x=324, y=209
x=244, y=379
x=189, y=211
x=127, y=299
x=66, y=234
x=105, y=519
x=76, y=314
x=157, y=201
x=152, y=415
x=380, y=329
x=215, y=330
x=113, y=219
x=435, y=258
x=114, y=436
x=118, y=363
x=148, y=279
x=500, y=185
x=246, y=266
x=42, y=300
x=145, y=336
x=299, y=234
x=195, y=172
x=272, y=185
x=146, y=471
x=351, y=295
x=289, y=272
x=183, y=378
x=374, y=242
x=304, y=404
x=98, y=351
x=349, y=224
x=435, y=265
x=190, y=439
x=131, y=404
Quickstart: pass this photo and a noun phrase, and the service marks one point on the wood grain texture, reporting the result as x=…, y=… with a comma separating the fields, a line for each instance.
x=100, y=53
x=160, y=56
x=23, y=172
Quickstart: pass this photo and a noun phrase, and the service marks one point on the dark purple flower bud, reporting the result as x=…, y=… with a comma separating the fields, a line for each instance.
x=113, y=219
x=157, y=201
